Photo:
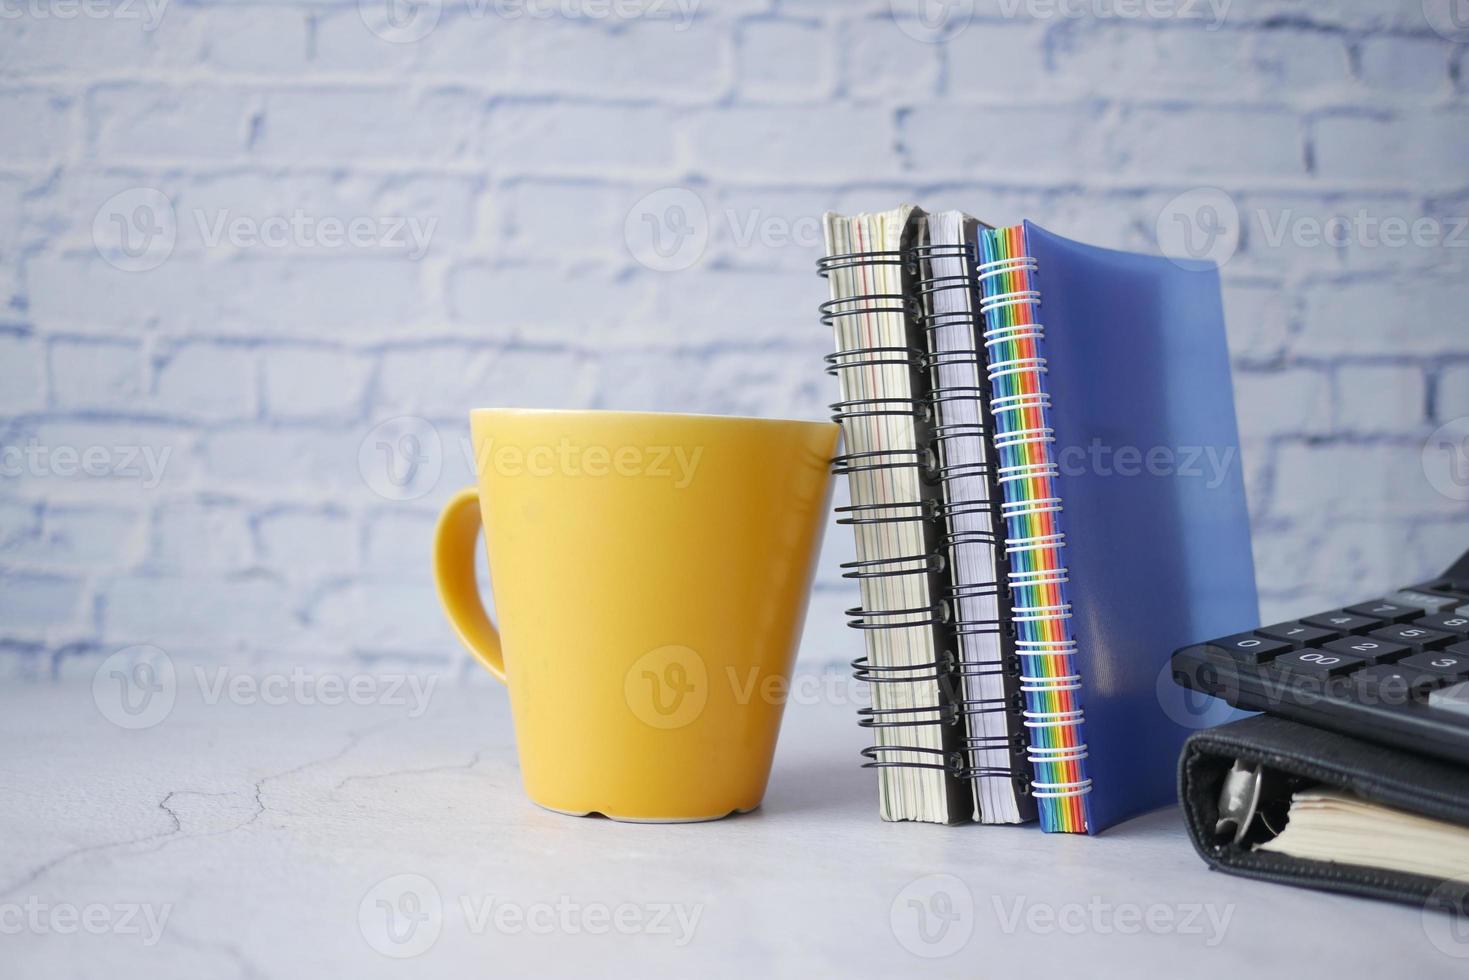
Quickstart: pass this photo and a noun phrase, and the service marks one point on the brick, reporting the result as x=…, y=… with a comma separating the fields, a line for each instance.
x=154, y=122
x=334, y=294
x=794, y=143
x=189, y=537
x=396, y=544
x=1295, y=401
x=541, y=138
x=445, y=382
x=257, y=39
x=1060, y=140
x=332, y=124
x=34, y=603
x=543, y=302
x=22, y=374
x=1201, y=140
x=38, y=127
x=32, y=46
x=83, y=539
x=314, y=384
x=236, y=612
x=92, y=374
x=1452, y=398
x=1257, y=318
x=285, y=462
x=997, y=60
x=1382, y=317
x=396, y=615
x=1428, y=145
x=883, y=63
x=1373, y=480
x=784, y=61
x=645, y=59
x=1408, y=66
x=206, y=381
x=1380, y=398
x=304, y=544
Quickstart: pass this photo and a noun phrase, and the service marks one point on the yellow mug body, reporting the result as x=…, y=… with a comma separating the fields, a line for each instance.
x=650, y=576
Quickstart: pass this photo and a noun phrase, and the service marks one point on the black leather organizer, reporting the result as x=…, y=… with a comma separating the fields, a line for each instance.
x=1284, y=756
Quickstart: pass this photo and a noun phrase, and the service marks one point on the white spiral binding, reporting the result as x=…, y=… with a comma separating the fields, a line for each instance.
x=1043, y=435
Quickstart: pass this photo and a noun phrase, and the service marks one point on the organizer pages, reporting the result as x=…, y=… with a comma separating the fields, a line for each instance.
x=884, y=458
x=956, y=362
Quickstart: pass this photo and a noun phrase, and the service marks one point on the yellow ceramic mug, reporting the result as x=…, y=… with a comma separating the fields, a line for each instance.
x=650, y=575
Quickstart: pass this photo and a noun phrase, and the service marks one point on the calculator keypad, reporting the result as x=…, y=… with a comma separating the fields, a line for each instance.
x=1387, y=651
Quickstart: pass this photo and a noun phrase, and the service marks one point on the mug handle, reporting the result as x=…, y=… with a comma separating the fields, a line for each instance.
x=455, y=538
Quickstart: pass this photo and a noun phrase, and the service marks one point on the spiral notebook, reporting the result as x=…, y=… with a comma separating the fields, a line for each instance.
x=1053, y=425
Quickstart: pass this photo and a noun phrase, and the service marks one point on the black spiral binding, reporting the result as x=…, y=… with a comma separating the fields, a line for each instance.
x=937, y=617
x=928, y=285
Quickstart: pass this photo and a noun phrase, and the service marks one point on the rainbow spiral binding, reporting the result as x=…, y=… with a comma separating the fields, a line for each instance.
x=1036, y=546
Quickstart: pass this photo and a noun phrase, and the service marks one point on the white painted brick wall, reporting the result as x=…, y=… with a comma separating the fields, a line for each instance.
x=223, y=388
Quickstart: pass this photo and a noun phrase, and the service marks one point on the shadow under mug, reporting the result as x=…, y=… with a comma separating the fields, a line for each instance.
x=650, y=575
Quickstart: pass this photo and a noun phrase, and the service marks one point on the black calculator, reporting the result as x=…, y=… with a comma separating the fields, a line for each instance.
x=1393, y=669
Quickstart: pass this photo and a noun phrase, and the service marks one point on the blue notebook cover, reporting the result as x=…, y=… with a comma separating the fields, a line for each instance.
x=1157, y=535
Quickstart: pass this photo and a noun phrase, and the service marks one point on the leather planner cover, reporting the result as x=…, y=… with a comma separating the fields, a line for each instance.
x=1300, y=754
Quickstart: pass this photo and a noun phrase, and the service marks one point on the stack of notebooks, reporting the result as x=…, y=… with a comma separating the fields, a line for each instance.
x=1043, y=467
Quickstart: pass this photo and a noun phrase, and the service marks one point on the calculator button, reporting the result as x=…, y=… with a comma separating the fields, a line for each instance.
x=1446, y=622
x=1299, y=634
x=1249, y=648
x=1413, y=635
x=1426, y=601
x=1369, y=649
x=1343, y=621
x=1388, y=612
x=1390, y=684
x=1462, y=611
x=1452, y=699
x=1317, y=663
x=1438, y=662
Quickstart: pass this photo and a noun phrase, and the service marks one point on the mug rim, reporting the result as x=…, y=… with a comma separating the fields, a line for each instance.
x=608, y=412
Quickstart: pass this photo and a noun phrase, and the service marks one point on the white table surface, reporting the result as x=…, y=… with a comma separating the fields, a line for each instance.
x=257, y=837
